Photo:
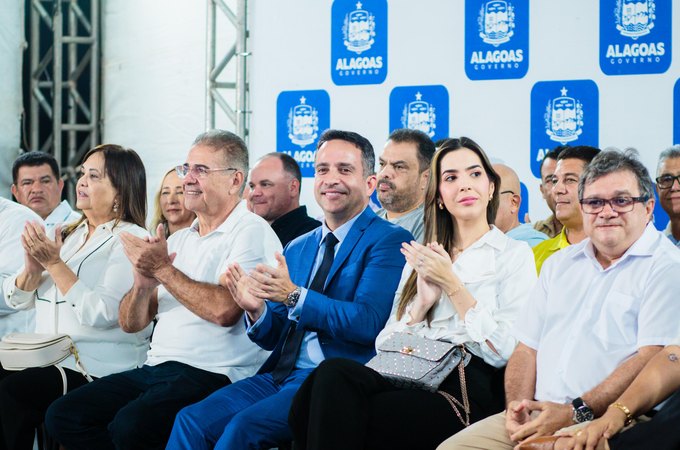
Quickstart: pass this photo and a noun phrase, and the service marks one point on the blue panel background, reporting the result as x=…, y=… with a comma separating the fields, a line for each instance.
x=517, y=45
x=375, y=56
x=659, y=38
x=304, y=152
x=436, y=96
x=542, y=94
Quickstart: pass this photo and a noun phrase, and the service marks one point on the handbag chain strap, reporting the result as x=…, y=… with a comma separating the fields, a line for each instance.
x=453, y=401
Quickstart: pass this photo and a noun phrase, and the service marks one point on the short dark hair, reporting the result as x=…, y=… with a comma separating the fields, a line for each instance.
x=585, y=153
x=34, y=159
x=426, y=147
x=552, y=154
x=234, y=149
x=614, y=160
x=290, y=166
x=363, y=144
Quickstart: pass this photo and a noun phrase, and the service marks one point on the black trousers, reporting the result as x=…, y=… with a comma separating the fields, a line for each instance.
x=345, y=405
x=24, y=398
x=660, y=433
x=129, y=410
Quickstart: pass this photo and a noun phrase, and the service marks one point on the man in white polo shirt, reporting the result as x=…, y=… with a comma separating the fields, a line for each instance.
x=601, y=309
x=37, y=185
x=13, y=218
x=199, y=343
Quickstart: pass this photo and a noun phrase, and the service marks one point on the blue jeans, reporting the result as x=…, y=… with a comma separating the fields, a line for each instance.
x=249, y=414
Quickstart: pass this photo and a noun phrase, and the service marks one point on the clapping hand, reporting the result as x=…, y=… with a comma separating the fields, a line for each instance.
x=39, y=248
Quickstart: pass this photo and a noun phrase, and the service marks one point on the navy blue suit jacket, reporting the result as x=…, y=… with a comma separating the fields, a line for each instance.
x=359, y=292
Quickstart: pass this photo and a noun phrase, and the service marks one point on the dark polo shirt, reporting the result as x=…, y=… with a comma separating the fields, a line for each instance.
x=293, y=224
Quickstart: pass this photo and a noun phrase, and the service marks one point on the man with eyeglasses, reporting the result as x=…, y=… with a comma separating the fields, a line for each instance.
x=328, y=296
x=601, y=309
x=507, y=219
x=199, y=343
x=549, y=226
x=668, y=188
x=570, y=165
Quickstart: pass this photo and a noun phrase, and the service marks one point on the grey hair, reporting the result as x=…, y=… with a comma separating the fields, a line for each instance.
x=669, y=153
x=233, y=148
x=613, y=160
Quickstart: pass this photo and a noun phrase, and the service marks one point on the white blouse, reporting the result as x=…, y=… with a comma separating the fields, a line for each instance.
x=499, y=274
x=88, y=312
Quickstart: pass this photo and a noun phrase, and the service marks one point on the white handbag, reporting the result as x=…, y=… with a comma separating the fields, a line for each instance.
x=19, y=351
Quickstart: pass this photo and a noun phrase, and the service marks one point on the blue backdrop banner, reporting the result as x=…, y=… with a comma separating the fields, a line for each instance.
x=301, y=117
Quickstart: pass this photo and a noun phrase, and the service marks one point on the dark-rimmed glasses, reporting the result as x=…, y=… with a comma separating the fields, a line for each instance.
x=198, y=171
x=666, y=181
x=620, y=204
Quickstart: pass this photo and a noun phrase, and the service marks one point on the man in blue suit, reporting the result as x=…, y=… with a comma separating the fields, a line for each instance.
x=329, y=296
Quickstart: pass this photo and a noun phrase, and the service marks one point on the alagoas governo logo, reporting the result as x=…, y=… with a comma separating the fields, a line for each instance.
x=635, y=36
x=359, y=42
x=301, y=117
x=564, y=112
x=496, y=39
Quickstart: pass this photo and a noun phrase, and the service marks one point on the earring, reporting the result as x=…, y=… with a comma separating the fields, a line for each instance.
x=440, y=204
x=115, y=206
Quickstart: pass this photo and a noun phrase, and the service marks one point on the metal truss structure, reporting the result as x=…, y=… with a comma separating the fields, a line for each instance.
x=64, y=80
x=219, y=89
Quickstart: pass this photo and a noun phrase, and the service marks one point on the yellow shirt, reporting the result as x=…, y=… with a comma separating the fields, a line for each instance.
x=546, y=248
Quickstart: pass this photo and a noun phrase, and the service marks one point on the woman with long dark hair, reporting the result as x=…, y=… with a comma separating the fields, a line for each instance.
x=75, y=281
x=465, y=286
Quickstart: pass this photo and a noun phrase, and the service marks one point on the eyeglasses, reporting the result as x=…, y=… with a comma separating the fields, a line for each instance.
x=198, y=171
x=507, y=192
x=666, y=181
x=618, y=204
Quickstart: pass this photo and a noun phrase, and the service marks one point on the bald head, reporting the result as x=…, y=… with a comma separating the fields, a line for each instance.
x=508, y=208
x=509, y=179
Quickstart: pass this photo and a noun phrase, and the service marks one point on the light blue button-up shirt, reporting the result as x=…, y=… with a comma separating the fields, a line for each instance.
x=311, y=354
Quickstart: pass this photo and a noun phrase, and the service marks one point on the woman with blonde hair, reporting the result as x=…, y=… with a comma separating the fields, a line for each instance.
x=75, y=282
x=465, y=286
x=169, y=205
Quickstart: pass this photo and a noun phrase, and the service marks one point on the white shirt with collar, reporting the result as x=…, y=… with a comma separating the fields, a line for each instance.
x=499, y=273
x=13, y=218
x=88, y=312
x=181, y=335
x=62, y=214
x=584, y=321
x=669, y=233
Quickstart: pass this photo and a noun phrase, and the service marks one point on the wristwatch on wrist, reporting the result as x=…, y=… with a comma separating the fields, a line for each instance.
x=292, y=298
x=582, y=412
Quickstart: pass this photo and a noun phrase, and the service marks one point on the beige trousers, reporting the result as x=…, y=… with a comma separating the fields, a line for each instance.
x=487, y=434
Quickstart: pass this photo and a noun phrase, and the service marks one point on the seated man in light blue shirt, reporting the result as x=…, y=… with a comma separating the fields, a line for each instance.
x=507, y=219
x=668, y=188
x=329, y=297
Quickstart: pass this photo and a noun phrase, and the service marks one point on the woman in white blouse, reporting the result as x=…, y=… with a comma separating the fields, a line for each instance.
x=75, y=282
x=465, y=286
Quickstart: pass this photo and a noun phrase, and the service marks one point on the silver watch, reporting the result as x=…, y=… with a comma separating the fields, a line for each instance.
x=292, y=298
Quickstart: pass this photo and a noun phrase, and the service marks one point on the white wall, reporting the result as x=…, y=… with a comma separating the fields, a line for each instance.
x=154, y=78
x=11, y=50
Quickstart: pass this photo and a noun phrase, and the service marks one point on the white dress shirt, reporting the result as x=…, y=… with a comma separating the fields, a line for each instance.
x=499, y=273
x=88, y=312
x=181, y=335
x=584, y=320
x=13, y=218
x=62, y=214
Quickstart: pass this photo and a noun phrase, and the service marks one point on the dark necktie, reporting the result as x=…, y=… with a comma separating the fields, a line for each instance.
x=291, y=347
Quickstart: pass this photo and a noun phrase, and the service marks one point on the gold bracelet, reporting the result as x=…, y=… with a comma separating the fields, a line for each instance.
x=455, y=291
x=624, y=409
